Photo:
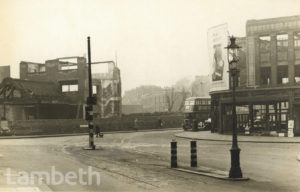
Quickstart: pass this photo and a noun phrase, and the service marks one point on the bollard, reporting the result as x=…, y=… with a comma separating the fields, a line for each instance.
x=193, y=154
x=173, y=154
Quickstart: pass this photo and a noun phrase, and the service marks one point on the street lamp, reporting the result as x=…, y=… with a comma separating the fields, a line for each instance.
x=232, y=53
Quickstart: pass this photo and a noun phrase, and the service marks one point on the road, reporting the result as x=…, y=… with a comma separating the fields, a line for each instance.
x=139, y=161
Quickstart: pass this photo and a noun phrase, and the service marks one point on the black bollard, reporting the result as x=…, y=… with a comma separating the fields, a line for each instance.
x=193, y=154
x=173, y=154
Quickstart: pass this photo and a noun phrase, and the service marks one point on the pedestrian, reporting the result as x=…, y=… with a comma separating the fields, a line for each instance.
x=97, y=131
x=136, y=122
x=159, y=123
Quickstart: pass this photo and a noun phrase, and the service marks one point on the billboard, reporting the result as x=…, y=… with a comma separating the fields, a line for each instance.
x=217, y=41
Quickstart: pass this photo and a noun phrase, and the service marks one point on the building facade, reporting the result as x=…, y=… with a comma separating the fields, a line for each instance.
x=268, y=93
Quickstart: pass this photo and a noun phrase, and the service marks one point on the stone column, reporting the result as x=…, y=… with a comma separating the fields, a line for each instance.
x=273, y=59
x=291, y=58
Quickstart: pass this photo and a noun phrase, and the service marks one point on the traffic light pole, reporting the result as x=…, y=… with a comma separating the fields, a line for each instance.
x=89, y=108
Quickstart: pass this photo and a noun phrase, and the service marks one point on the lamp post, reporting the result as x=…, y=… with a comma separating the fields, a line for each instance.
x=232, y=53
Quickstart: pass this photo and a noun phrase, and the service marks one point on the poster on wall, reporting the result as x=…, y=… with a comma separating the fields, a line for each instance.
x=217, y=41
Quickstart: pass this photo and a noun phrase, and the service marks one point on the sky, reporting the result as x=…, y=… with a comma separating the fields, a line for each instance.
x=155, y=41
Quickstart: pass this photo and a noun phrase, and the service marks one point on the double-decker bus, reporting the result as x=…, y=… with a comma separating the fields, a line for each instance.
x=196, y=110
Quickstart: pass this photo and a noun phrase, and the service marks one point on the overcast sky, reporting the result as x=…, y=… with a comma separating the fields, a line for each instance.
x=156, y=41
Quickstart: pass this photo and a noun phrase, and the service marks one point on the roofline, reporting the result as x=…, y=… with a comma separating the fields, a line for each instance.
x=26, y=80
x=31, y=62
x=274, y=19
x=190, y=98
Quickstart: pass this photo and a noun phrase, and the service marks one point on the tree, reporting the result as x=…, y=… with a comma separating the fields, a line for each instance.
x=184, y=95
x=170, y=98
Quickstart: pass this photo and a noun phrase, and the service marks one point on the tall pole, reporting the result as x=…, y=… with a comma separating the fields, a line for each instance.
x=235, y=170
x=90, y=121
x=4, y=107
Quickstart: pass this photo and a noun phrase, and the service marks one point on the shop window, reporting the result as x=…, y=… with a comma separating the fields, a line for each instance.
x=297, y=40
x=265, y=75
x=282, y=41
x=282, y=75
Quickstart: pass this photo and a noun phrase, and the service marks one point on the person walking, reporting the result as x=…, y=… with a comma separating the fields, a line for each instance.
x=136, y=122
x=97, y=131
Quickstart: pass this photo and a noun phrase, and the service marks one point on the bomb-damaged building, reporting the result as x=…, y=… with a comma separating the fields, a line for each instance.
x=268, y=88
x=58, y=88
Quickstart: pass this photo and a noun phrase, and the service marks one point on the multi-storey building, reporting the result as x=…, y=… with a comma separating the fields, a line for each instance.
x=268, y=94
x=58, y=89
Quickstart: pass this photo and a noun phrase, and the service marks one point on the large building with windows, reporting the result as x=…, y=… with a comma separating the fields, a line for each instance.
x=58, y=88
x=268, y=93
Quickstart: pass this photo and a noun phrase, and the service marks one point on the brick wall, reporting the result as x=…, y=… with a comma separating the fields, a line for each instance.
x=65, y=126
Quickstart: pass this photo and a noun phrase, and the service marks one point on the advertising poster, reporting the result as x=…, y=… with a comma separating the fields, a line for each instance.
x=217, y=41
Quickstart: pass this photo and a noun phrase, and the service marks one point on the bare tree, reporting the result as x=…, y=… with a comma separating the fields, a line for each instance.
x=184, y=95
x=170, y=98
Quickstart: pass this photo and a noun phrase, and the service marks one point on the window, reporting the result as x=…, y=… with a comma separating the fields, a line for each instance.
x=265, y=75
x=35, y=68
x=282, y=75
x=68, y=67
x=264, y=43
x=68, y=64
x=282, y=41
x=297, y=40
x=95, y=90
x=69, y=86
x=297, y=73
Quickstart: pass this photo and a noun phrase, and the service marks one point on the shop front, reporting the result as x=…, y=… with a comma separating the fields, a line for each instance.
x=265, y=111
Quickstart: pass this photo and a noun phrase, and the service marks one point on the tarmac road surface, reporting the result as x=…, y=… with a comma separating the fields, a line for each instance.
x=139, y=161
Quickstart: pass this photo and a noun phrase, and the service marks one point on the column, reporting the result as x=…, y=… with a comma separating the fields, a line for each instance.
x=273, y=59
x=256, y=61
x=291, y=58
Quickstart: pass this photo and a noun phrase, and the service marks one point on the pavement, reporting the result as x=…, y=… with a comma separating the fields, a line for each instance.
x=208, y=136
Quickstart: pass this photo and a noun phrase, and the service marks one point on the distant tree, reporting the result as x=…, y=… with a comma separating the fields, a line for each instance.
x=184, y=95
x=170, y=98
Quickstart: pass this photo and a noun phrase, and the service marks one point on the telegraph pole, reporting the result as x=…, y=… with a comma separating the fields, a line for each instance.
x=90, y=101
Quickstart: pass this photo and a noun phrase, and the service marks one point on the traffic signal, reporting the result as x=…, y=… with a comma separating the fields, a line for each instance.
x=91, y=100
x=88, y=113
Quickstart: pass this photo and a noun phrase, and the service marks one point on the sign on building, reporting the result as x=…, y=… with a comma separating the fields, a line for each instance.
x=217, y=41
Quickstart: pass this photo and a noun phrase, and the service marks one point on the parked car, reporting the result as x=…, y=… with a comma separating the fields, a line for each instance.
x=206, y=125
